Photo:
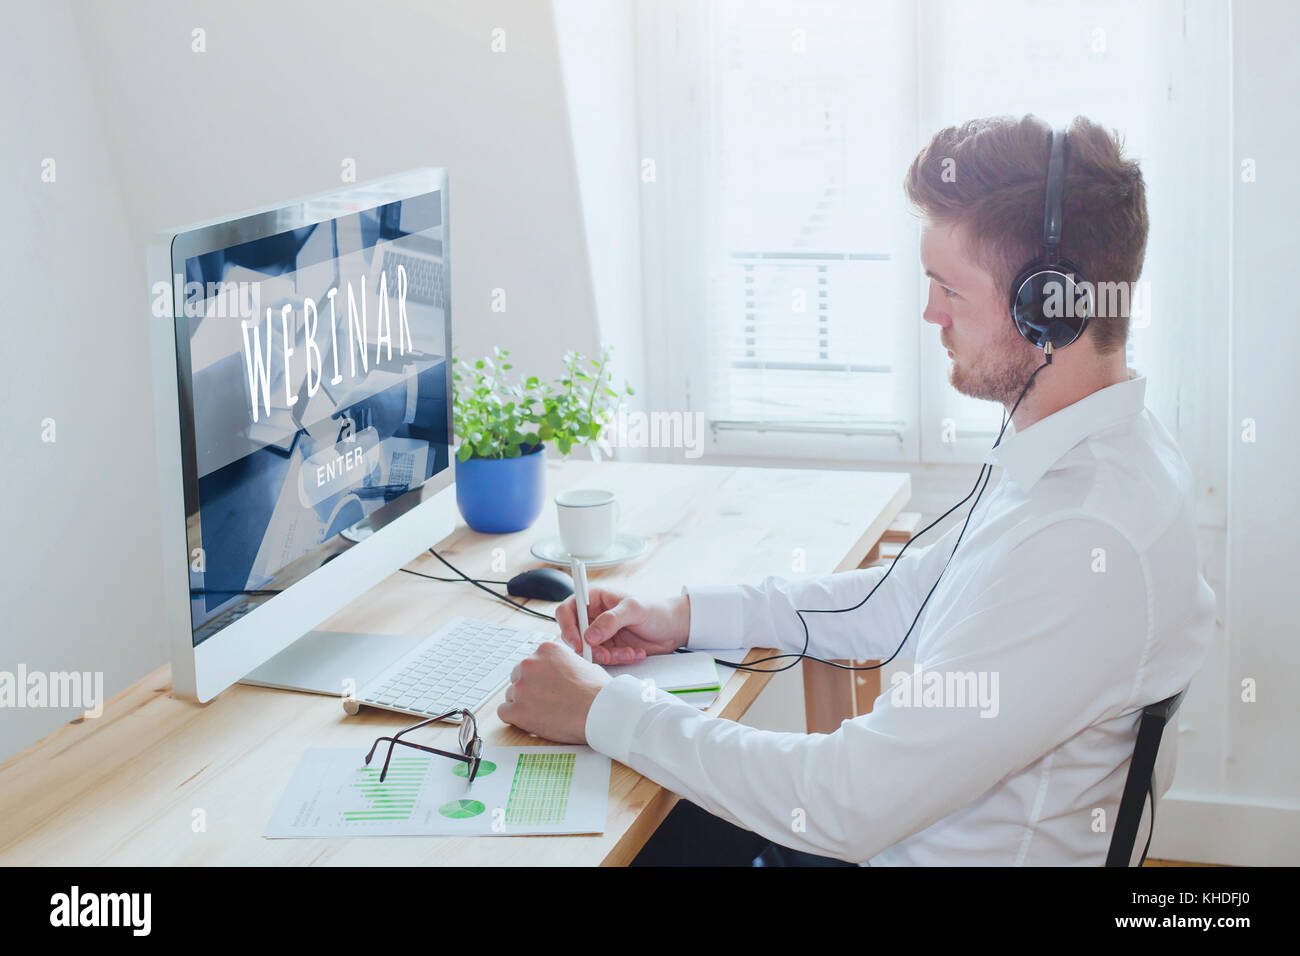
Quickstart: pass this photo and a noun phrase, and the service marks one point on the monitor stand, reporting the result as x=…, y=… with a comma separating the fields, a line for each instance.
x=320, y=662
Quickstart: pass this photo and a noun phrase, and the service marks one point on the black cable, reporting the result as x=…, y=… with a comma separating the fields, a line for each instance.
x=496, y=594
x=804, y=655
x=434, y=577
x=807, y=637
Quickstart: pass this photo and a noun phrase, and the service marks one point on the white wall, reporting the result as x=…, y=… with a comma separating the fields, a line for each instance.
x=1251, y=812
x=149, y=134
x=597, y=46
x=287, y=91
x=1263, y=517
x=1236, y=798
x=78, y=582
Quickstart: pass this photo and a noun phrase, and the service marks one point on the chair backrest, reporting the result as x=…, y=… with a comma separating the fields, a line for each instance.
x=1141, y=781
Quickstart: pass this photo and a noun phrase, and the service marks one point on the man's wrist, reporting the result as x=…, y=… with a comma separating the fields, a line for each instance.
x=682, y=620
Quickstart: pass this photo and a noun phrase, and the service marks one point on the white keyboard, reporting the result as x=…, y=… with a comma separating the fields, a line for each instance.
x=461, y=664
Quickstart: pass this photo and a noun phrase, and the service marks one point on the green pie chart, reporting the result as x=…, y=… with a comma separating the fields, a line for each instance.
x=461, y=809
x=485, y=767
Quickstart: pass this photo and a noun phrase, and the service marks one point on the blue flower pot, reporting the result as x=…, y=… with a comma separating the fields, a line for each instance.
x=500, y=495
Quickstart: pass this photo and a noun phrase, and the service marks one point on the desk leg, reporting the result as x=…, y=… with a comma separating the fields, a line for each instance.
x=866, y=688
x=827, y=696
x=832, y=696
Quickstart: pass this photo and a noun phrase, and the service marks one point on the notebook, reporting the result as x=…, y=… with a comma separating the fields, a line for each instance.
x=692, y=677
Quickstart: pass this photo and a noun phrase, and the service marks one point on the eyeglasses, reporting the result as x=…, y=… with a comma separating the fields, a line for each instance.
x=471, y=744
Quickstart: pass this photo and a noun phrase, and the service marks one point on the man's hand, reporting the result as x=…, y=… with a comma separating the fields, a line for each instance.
x=551, y=693
x=624, y=630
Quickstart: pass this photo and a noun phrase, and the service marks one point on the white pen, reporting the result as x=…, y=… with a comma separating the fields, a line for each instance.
x=579, y=572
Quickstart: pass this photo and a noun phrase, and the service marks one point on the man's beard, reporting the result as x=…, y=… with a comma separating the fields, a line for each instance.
x=1001, y=375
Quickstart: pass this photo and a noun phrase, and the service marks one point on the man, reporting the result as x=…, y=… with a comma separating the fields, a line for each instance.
x=1075, y=594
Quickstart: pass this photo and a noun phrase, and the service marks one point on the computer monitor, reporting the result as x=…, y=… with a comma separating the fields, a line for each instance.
x=304, y=414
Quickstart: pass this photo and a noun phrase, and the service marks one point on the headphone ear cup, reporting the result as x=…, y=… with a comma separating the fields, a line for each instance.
x=1043, y=307
x=1027, y=307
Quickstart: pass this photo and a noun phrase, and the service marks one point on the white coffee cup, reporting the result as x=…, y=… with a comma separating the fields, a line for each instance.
x=588, y=519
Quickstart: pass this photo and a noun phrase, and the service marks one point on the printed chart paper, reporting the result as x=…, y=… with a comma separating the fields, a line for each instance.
x=518, y=790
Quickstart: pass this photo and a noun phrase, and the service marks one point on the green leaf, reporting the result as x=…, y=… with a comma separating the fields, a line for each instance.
x=465, y=451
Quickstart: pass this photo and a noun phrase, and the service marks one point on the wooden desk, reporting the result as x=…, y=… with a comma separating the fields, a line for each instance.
x=131, y=786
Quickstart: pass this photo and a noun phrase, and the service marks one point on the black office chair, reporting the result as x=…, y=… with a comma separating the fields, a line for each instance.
x=1141, y=782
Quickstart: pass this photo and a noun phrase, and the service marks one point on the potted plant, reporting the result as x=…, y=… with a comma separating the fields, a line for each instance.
x=504, y=426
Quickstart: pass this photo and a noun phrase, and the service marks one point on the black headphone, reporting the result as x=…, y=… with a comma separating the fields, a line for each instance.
x=1051, y=305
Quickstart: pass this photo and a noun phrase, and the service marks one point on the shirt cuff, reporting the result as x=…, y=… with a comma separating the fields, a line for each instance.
x=716, y=616
x=614, y=714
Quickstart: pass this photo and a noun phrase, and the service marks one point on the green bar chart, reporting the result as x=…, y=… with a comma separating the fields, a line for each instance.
x=539, y=792
x=396, y=796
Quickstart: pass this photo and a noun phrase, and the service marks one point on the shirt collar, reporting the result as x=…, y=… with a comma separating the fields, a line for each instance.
x=1028, y=455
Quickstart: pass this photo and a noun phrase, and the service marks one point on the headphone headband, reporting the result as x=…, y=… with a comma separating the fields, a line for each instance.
x=1052, y=208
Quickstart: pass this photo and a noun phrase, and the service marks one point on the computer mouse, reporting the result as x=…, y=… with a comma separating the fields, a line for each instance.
x=545, y=584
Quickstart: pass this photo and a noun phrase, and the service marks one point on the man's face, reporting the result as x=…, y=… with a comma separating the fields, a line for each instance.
x=990, y=360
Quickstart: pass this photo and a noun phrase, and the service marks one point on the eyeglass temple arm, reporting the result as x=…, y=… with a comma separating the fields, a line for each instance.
x=431, y=750
x=395, y=739
x=424, y=723
x=383, y=774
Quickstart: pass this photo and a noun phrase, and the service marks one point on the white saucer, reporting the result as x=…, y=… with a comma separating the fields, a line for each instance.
x=626, y=546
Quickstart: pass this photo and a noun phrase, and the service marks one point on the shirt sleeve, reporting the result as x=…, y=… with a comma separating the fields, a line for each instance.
x=764, y=615
x=1059, y=646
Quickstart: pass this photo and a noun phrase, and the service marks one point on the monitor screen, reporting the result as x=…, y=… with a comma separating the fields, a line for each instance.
x=315, y=393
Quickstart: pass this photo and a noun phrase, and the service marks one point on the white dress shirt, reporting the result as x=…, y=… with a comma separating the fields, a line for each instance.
x=1074, y=600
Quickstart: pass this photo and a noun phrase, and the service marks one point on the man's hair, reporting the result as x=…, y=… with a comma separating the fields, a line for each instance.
x=990, y=177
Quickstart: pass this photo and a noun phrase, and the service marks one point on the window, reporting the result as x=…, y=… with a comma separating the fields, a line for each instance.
x=781, y=260
x=810, y=268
